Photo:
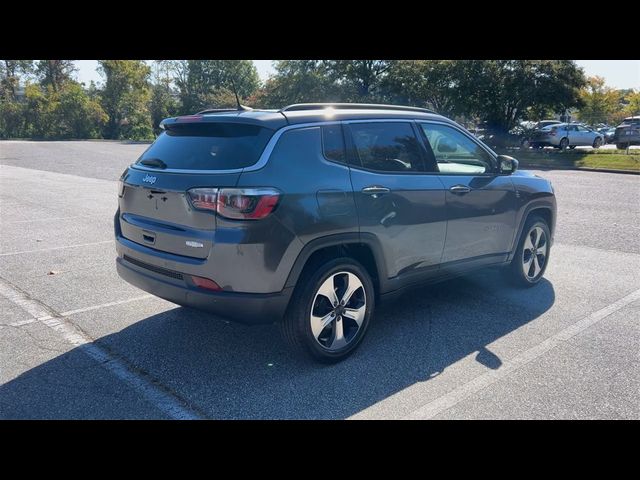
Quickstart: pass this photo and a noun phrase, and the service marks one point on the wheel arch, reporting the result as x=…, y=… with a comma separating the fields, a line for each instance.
x=363, y=248
x=542, y=209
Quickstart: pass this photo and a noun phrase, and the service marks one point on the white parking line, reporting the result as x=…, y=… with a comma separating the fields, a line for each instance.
x=157, y=396
x=56, y=248
x=440, y=404
x=104, y=305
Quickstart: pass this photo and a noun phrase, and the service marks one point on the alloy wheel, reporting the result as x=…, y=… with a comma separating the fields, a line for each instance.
x=534, y=253
x=338, y=310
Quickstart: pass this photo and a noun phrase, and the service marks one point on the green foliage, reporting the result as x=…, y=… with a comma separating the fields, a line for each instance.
x=68, y=112
x=201, y=81
x=126, y=99
x=54, y=73
x=164, y=98
x=298, y=81
x=599, y=102
x=502, y=92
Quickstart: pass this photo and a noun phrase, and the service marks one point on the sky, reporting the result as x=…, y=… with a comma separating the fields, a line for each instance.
x=617, y=73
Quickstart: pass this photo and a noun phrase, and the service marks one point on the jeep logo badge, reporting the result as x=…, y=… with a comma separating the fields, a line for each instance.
x=149, y=179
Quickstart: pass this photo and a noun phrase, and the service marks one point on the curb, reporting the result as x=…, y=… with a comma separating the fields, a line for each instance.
x=585, y=169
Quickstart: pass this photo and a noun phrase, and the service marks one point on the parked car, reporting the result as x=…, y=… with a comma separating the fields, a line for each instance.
x=525, y=141
x=627, y=133
x=566, y=135
x=608, y=133
x=311, y=215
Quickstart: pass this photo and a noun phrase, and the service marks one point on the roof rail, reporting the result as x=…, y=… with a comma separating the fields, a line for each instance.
x=220, y=110
x=351, y=106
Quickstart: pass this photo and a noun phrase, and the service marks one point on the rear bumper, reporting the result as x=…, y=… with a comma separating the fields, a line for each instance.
x=247, y=308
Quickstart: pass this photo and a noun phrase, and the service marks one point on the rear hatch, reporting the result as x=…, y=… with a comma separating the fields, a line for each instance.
x=155, y=207
x=628, y=128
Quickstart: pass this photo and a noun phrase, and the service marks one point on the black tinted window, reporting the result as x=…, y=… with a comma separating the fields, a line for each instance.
x=333, y=143
x=209, y=146
x=387, y=147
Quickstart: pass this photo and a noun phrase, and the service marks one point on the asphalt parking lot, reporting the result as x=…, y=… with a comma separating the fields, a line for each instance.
x=78, y=342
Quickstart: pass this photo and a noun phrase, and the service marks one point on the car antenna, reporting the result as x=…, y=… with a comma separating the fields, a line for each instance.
x=235, y=92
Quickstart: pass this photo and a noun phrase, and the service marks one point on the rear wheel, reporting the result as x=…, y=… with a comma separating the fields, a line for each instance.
x=330, y=310
x=564, y=143
x=597, y=143
x=621, y=146
x=532, y=255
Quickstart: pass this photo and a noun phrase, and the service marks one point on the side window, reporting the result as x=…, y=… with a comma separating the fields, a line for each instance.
x=455, y=152
x=387, y=147
x=333, y=143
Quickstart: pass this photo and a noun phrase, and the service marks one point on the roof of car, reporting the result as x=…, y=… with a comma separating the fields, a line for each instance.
x=310, y=113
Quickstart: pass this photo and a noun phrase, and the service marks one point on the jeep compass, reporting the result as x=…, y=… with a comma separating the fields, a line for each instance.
x=310, y=215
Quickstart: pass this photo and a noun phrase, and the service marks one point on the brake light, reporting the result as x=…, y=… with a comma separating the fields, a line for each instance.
x=189, y=118
x=236, y=203
x=205, y=283
x=203, y=198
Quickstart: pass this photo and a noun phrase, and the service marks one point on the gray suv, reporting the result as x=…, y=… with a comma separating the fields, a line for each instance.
x=310, y=215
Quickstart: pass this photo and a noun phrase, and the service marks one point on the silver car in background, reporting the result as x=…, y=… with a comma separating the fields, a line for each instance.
x=566, y=135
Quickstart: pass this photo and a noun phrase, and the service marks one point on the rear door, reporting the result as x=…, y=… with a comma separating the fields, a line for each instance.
x=155, y=208
x=481, y=205
x=399, y=199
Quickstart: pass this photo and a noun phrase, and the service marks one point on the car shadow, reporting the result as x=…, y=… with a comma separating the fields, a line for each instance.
x=227, y=370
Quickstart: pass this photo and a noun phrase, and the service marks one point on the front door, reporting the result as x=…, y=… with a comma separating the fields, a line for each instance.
x=481, y=204
x=399, y=199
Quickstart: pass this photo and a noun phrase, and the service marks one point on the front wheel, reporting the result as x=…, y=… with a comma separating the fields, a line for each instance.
x=597, y=143
x=532, y=255
x=330, y=310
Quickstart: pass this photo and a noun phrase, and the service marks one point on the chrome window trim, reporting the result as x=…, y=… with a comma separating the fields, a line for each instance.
x=491, y=153
x=271, y=144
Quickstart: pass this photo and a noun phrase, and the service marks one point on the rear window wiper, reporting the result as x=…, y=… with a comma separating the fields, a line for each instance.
x=153, y=162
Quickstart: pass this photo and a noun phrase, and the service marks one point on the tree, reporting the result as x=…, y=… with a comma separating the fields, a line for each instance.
x=55, y=72
x=199, y=81
x=361, y=79
x=632, y=101
x=297, y=81
x=600, y=103
x=425, y=83
x=10, y=76
x=68, y=112
x=164, y=98
x=125, y=98
x=502, y=92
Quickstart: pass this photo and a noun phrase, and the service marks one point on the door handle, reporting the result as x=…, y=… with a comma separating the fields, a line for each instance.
x=375, y=190
x=460, y=189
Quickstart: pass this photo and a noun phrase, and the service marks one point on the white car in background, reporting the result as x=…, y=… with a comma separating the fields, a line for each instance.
x=566, y=135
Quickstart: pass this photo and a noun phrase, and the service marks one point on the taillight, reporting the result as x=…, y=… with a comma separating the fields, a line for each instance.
x=236, y=203
x=203, y=198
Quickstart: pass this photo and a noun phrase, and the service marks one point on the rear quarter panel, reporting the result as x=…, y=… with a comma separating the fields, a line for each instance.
x=317, y=200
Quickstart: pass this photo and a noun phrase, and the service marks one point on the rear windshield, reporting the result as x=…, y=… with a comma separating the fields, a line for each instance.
x=208, y=146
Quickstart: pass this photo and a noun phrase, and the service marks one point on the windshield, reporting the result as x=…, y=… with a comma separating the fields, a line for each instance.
x=207, y=146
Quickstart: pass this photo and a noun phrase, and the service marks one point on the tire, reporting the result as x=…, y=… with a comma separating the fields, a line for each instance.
x=597, y=142
x=621, y=146
x=572, y=147
x=518, y=273
x=525, y=144
x=564, y=143
x=340, y=335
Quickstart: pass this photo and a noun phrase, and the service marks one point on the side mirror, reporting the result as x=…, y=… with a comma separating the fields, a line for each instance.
x=507, y=165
